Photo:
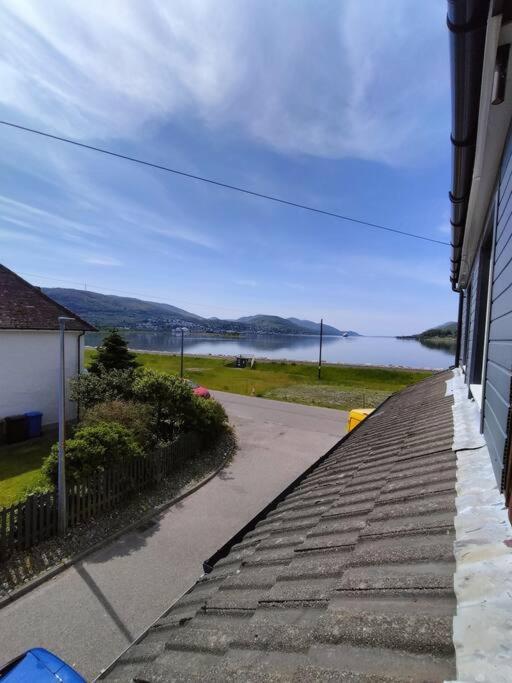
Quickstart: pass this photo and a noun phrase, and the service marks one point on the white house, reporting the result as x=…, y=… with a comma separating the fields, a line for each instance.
x=29, y=349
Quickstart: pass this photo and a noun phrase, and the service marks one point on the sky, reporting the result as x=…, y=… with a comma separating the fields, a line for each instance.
x=344, y=106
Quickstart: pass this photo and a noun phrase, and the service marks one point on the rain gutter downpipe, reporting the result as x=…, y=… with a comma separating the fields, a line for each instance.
x=466, y=20
x=459, y=330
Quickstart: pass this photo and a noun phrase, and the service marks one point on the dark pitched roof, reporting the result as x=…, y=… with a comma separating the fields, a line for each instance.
x=25, y=307
x=349, y=578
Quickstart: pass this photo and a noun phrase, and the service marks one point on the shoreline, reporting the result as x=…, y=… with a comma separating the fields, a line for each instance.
x=266, y=359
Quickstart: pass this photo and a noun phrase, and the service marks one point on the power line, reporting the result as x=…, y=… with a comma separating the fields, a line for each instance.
x=218, y=183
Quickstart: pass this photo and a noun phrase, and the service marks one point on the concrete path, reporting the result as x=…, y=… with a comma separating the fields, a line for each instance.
x=89, y=613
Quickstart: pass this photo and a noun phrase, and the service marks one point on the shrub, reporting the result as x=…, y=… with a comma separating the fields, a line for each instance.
x=171, y=400
x=91, y=450
x=134, y=416
x=144, y=399
x=89, y=389
x=209, y=419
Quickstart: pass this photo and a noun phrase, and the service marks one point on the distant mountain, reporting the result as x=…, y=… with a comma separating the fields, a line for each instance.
x=275, y=325
x=444, y=331
x=328, y=329
x=105, y=310
x=450, y=327
x=271, y=324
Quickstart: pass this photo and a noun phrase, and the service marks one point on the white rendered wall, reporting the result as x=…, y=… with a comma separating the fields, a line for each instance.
x=29, y=372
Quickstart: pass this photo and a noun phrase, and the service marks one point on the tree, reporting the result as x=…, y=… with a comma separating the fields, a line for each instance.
x=113, y=354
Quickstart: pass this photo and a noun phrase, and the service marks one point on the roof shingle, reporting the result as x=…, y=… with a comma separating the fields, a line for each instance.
x=349, y=578
x=25, y=307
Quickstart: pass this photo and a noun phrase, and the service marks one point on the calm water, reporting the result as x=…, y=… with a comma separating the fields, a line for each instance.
x=358, y=350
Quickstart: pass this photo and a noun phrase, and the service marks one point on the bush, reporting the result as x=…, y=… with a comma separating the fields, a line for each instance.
x=93, y=449
x=89, y=389
x=210, y=418
x=146, y=401
x=134, y=416
x=171, y=399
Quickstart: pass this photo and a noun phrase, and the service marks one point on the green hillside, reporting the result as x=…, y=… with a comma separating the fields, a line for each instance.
x=106, y=311
x=445, y=333
x=445, y=330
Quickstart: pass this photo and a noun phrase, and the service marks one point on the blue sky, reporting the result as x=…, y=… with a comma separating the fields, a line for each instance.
x=340, y=105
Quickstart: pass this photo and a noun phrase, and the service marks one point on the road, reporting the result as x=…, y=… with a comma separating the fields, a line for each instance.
x=89, y=613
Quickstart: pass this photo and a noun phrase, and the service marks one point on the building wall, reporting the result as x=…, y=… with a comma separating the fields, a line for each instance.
x=29, y=372
x=499, y=357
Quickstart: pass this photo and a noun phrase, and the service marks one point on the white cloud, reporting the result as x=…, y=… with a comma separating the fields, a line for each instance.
x=356, y=79
x=28, y=215
x=295, y=285
x=386, y=270
x=102, y=261
x=444, y=226
x=17, y=236
x=370, y=270
x=246, y=283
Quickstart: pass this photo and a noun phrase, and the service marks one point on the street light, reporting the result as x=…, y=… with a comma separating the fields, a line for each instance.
x=320, y=349
x=61, y=486
x=181, y=363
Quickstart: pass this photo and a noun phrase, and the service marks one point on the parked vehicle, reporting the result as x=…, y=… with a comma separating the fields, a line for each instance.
x=39, y=666
x=197, y=389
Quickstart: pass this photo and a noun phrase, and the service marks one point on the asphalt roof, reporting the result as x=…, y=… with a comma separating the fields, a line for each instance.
x=25, y=307
x=349, y=578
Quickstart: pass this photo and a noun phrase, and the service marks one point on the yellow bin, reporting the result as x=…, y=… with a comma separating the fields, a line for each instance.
x=356, y=416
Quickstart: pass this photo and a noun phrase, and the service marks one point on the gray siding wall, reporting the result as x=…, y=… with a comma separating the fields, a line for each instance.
x=499, y=357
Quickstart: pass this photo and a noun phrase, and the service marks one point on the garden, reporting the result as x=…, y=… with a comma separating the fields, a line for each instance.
x=131, y=420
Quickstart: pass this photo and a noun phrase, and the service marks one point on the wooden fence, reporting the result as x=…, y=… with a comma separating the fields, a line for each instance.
x=35, y=519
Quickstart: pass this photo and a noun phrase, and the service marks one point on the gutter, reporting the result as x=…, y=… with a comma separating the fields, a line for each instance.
x=466, y=20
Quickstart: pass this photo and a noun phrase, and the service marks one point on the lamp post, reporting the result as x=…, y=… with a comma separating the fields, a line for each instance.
x=61, y=486
x=181, y=362
x=320, y=349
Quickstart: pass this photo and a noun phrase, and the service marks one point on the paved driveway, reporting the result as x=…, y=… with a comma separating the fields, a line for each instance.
x=89, y=613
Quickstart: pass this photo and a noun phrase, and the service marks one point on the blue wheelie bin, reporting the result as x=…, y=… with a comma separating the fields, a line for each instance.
x=33, y=421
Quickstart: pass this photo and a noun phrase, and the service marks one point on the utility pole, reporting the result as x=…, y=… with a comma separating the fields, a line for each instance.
x=181, y=365
x=61, y=485
x=320, y=350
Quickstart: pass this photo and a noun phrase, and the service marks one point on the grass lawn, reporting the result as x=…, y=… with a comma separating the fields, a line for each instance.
x=341, y=386
x=20, y=465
